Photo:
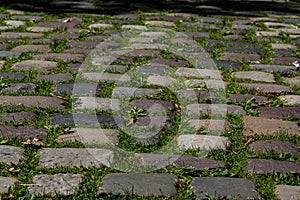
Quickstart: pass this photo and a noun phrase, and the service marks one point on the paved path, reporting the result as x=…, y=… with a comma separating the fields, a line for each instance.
x=162, y=104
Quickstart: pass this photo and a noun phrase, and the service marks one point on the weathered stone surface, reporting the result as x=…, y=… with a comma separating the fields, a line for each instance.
x=267, y=88
x=66, y=24
x=75, y=157
x=197, y=162
x=24, y=132
x=223, y=187
x=6, y=183
x=279, y=146
x=160, y=23
x=38, y=29
x=101, y=26
x=279, y=112
x=204, y=142
x=86, y=120
x=282, y=69
x=214, y=109
x=199, y=73
x=283, y=46
x=134, y=92
x=139, y=184
x=9, y=54
x=32, y=101
x=20, y=35
x=4, y=47
x=83, y=44
x=210, y=84
x=255, y=76
x=97, y=103
x=153, y=106
x=17, y=116
x=10, y=155
x=263, y=166
x=265, y=126
x=155, y=122
x=201, y=94
x=63, y=36
x=91, y=136
x=210, y=124
x=31, y=48
x=241, y=57
x=60, y=56
x=78, y=89
x=152, y=69
x=55, y=77
x=171, y=62
x=290, y=99
x=287, y=192
x=35, y=65
x=164, y=81
x=284, y=60
x=106, y=77
x=246, y=97
x=20, y=87
x=12, y=75
x=41, y=41
x=142, y=52
x=293, y=81
x=57, y=184
x=29, y=18
x=146, y=138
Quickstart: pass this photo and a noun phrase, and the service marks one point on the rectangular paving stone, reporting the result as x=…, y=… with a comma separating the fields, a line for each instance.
x=198, y=163
x=91, y=136
x=12, y=75
x=95, y=103
x=265, y=126
x=56, y=184
x=32, y=101
x=38, y=65
x=254, y=76
x=203, y=142
x=9, y=54
x=27, y=17
x=20, y=35
x=60, y=56
x=23, y=132
x=6, y=183
x=223, y=187
x=210, y=124
x=285, y=192
x=78, y=89
x=290, y=99
x=254, y=58
x=153, y=106
x=279, y=146
x=20, y=87
x=199, y=73
x=264, y=166
x=267, y=88
x=4, y=47
x=10, y=155
x=171, y=62
x=60, y=77
x=139, y=184
x=17, y=116
x=279, y=112
x=213, y=109
x=284, y=60
x=31, y=48
x=164, y=81
x=247, y=97
x=106, y=77
x=282, y=69
x=75, y=157
x=86, y=120
x=293, y=81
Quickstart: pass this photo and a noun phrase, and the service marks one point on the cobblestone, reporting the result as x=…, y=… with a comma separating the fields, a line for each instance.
x=10, y=155
x=6, y=183
x=264, y=166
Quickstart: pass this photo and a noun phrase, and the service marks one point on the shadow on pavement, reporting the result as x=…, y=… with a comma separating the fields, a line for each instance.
x=204, y=7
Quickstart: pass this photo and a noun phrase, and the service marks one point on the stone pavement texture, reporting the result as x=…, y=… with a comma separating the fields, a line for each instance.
x=154, y=99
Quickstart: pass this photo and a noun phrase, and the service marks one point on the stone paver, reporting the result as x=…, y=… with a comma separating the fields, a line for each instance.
x=210, y=124
x=293, y=81
x=282, y=69
x=223, y=187
x=164, y=81
x=214, y=109
x=10, y=155
x=55, y=77
x=264, y=166
x=9, y=54
x=12, y=75
x=279, y=146
x=287, y=192
x=78, y=89
x=279, y=112
x=74, y=157
x=265, y=126
x=31, y=48
x=290, y=99
x=24, y=132
x=18, y=116
x=135, y=92
x=153, y=106
x=139, y=184
x=6, y=183
x=254, y=76
x=97, y=103
x=204, y=142
x=198, y=163
x=60, y=56
x=20, y=87
x=246, y=97
x=267, y=88
x=35, y=65
x=62, y=184
x=32, y=101
x=91, y=135
x=199, y=73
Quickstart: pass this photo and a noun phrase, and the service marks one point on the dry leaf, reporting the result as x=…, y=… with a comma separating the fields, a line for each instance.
x=34, y=141
x=13, y=170
x=59, y=97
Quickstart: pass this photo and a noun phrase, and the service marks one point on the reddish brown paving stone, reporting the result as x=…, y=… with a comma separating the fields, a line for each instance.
x=246, y=97
x=287, y=192
x=210, y=124
x=284, y=60
x=62, y=36
x=32, y=101
x=83, y=44
x=241, y=57
x=293, y=81
x=24, y=132
x=279, y=146
x=39, y=65
x=32, y=48
x=20, y=35
x=78, y=51
x=267, y=88
x=279, y=112
x=254, y=75
x=60, y=56
x=153, y=105
x=264, y=166
x=18, y=116
x=154, y=121
x=165, y=61
x=265, y=126
x=143, y=53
